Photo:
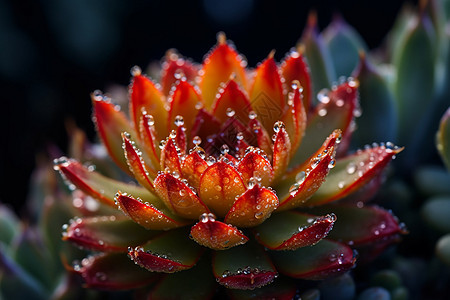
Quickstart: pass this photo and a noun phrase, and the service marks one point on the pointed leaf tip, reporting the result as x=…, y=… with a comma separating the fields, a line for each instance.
x=216, y=235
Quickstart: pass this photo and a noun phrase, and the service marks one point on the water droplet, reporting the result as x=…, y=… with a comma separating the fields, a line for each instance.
x=293, y=189
x=322, y=112
x=252, y=115
x=322, y=96
x=196, y=140
x=251, y=182
x=351, y=168
x=300, y=177
x=136, y=71
x=150, y=120
x=341, y=184
x=224, y=149
x=230, y=112
x=259, y=215
x=278, y=125
x=295, y=84
x=179, y=121
x=240, y=136
x=210, y=160
x=182, y=193
x=332, y=164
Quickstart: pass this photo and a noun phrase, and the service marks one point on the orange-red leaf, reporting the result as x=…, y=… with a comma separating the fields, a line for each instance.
x=110, y=123
x=183, y=102
x=148, y=215
x=281, y=150
x=215, y=234
x=255, y=165
x=232, y=100
x=309, y=180
x=292, y=229
x=263, y=139
x=179, y=197
x=354, y=172
x=294, y=67
x=138, y=167
x=193, y=166
x=175, y=68
x=253, y=207
x=146, y=98
x=295, y=117
x=219, y=186
x=266, y=94
x=170, y=161
x=149, y=143
x=205, y=125
x=219, y=65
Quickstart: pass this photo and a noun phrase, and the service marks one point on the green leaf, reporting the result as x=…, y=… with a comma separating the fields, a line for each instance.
x=113, y=271
x=169, y=252
x=378, y=121
x=344, y=44
x=107, y=233
x=32, y=255
x=326, y=258
x=195, y=283
x=415, y=82
x=319, y=59
x=284, y=289
x=358, y=226
x=443, y=138
x=432, y=180
x=9, y=225
x=243, y=267
x=15, y=283
x=436, y=211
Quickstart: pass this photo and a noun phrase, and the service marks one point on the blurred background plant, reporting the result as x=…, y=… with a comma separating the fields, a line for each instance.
x=48, y=71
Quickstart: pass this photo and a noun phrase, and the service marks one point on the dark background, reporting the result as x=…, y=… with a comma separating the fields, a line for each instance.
x=54, y=53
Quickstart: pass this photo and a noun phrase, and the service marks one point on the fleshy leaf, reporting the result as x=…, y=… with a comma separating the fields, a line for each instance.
x=324, y=259
x=354, y=172
x=170, y=161
x=232, y=100
x=255, y=164
x=418, y=46
x=307, y=181
x=295, y=117
x=113, y=272
x=335, y=111
x=183, y=102
x=219, y=186
x=218, y=66
x=175, y=68
x=358, y=226
x=279, y=289
x=9, y=225
x=110, y=123
x=245, y=267
x=378, y=121
x=262, y=136
x=216, y=235
x=169, y=252
x=319, y=59
x=96, y=185
x=178, y=197
x=195, y=283
x=294, y=68
x=266, y=94
x=154, y=216
x=252, y=207
x=193, y=166
x=443, y=138
x=106, y=233
x=137, y=164
x=292, y=229
x=205, y=124
x=344, y=44
x=145, y=98
x=281, y=150
x=147, y=133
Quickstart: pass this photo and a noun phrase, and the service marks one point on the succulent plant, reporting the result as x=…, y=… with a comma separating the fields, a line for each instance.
x=239, y=177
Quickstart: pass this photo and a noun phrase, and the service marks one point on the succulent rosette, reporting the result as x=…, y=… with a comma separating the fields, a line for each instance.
x=240, y=177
